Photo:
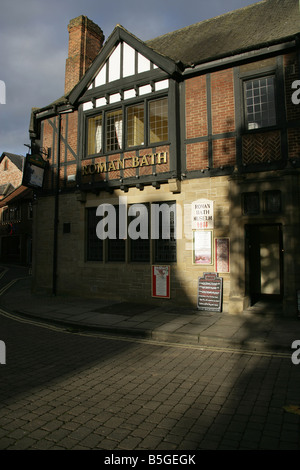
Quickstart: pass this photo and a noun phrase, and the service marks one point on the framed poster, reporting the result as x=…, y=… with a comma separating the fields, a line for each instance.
x=222, y=257
x=202, y=247
x=161, y=282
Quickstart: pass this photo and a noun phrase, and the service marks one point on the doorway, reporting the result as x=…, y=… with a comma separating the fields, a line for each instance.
x=264, y=262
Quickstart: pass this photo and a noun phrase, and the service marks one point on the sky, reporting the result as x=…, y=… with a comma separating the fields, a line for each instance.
x=34, y=47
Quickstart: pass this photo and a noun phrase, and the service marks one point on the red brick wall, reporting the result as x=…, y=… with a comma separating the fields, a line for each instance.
x=294, y=143
x=85, y=42
x=196, y=107
x=223, y=120
x=257, y=147
x=68, y=147
x=224, y=152
x=291, y=73
x=197, y=156
x=222, y=102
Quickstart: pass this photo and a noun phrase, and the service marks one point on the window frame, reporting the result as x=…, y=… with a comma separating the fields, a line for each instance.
x=269, y=206
x=106, y=110
x=135, y=105
x=143, y=244
x=95, y=241
x=113, y=247
x=119, y=140
x=251, y=203
x=129, y=243
x=89, y=124
x=161, y=243
x=252, y=76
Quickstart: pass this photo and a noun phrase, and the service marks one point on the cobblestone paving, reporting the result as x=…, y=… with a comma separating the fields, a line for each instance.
x=62, y=390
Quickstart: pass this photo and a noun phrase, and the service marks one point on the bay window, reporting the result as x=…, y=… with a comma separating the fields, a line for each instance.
x=135, y=125
x=142, y=124
x=114, y=130
x=95, y=135
x=158, y=120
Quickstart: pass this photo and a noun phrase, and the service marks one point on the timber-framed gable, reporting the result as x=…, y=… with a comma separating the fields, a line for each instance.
x=128, y=117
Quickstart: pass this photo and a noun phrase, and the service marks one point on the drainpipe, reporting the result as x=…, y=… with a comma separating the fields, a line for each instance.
x=56, y=209
x=56, y=204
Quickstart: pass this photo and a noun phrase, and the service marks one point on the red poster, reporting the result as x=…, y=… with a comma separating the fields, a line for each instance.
x=222, y=255
x=161, y=281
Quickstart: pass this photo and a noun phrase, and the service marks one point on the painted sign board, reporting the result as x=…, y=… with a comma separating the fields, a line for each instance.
x=210, y=290
x=34, y=169
x=202, y=214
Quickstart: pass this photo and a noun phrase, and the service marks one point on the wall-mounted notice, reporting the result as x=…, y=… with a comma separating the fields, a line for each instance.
x=202, y=214
x=202, y=247
x=222, y=255
x=210, y=289
x=161, y=281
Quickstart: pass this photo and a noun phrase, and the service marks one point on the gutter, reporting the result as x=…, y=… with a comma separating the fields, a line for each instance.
x=239, y=56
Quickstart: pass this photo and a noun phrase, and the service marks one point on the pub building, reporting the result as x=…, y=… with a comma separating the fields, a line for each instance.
x=202, y=123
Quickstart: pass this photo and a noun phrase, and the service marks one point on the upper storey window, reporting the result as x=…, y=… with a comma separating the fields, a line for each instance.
x=158, y=120
x=95, y=135
x=259, y=95
x=114, y=130
x=135, y=125
x=129, y=126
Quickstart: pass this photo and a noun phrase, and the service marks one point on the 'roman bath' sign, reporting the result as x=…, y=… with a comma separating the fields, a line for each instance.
x=202, y=214
x=125, y=163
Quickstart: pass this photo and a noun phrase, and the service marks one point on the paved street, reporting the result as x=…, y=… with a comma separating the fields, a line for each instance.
x=63, y=389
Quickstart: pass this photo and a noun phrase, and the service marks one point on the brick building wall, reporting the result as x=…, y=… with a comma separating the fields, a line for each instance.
x=10, y=173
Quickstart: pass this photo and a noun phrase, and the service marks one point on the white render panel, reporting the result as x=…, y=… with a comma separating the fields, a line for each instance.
x=115, y=98
x=101, y=77
x=114, y=72
x=162, y=85
x=129, y=94
x=128, y=60
x=143, y=64
x=87, y=106
x=111, y=69
x=143, y=90
x=100, y=102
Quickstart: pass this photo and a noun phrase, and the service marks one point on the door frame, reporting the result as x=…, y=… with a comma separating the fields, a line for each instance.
x=249, y=263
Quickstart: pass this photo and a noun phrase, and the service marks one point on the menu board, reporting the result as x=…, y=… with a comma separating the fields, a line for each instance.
x=210, y=290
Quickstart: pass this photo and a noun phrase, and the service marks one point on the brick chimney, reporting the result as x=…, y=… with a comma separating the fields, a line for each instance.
x=85, y=42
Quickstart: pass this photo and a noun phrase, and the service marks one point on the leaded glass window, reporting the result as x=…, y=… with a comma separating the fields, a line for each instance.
x=260, y=102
